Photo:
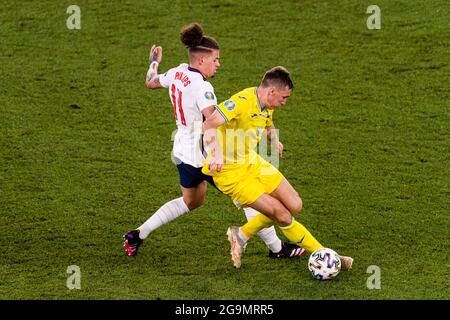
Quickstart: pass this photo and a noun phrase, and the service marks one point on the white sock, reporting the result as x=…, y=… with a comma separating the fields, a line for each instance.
x=268, y=235
x=168, y=212
x=242, y=236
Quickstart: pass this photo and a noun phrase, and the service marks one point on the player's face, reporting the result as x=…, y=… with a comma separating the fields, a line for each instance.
x=278, y=97
x=211, y=63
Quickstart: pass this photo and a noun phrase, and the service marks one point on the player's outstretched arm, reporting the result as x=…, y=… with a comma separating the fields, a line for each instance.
x=215, y=162
x=155, y=57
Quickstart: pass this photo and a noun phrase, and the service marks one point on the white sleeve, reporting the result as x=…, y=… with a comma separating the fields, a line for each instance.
x=205, y=96
x=164, y=79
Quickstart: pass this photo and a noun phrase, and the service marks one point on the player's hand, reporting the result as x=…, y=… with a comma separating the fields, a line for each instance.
x=215, y=163
x=155, y=54
x=280, y=149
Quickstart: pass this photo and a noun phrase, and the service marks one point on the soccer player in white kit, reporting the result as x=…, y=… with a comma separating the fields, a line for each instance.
x=193, y=100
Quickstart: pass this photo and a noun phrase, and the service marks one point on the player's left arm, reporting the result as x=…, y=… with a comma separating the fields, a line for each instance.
x=155, y=57
x=272, y=136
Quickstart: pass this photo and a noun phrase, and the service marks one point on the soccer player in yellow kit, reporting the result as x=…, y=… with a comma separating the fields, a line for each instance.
x=232, y=133
x=193, y=100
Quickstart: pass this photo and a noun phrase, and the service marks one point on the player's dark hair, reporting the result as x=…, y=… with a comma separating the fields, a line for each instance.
x=192, y=37
x=277, y=77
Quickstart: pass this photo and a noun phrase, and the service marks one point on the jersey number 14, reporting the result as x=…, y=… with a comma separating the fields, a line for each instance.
x=176, y=101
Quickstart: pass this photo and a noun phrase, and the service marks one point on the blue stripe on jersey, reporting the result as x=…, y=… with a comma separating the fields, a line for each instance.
x=202, y=147
x=257, y=100
x=221, y=113
x=202, y=144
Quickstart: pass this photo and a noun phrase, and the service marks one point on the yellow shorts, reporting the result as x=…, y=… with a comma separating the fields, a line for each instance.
x=245, y=183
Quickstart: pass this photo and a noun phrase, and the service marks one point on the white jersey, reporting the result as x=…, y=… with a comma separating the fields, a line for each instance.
x=190, y=94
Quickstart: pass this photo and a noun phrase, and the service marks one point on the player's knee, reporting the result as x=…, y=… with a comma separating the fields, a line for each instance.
x=282, y=216
x=285, y=219
x=297, y=206
x=194, y=203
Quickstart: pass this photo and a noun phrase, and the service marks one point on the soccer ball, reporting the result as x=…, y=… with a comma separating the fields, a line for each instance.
x=324, y=264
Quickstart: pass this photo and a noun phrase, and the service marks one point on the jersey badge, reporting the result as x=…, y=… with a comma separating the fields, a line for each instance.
x=209, y=95
x=229, y=104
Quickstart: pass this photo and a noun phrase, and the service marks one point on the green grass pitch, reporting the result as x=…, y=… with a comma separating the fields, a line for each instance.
x=85, y=148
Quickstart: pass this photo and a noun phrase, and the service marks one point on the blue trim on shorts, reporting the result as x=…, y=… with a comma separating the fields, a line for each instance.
x=191, y=177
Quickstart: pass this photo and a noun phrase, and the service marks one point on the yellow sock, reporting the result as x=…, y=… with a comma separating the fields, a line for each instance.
x=298, y=234
x=258, y=223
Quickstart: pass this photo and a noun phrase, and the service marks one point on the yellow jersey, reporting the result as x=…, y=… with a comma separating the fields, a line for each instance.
x=245, y=122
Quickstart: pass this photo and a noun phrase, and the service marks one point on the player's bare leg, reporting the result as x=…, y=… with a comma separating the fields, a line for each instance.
x=277, y=249
x=290, y=198
x=192, y=198
x=279, y=207
x=287, y=195
x=266, y=204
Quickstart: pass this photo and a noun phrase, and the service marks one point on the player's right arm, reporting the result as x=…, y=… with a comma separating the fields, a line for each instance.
x=215, y=162
x=205, y=98
x=155, y=57
x=208, y=111
x=272, y=136
x=224, y=112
